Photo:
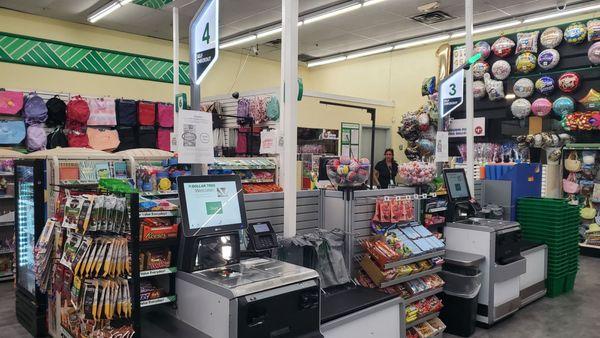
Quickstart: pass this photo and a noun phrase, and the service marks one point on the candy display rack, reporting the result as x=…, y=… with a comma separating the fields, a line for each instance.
x=258, y=174
x=7, y=213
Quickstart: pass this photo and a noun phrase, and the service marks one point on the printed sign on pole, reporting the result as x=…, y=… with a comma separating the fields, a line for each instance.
x=195, y=137
x=441, y=146
x=458, y=127
x=204, y=40
x=451, y=92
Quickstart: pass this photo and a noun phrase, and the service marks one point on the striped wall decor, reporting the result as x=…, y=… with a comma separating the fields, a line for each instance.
x=156, y=4
x=60, y=55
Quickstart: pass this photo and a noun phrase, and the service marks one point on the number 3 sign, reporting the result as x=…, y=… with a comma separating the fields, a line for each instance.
x=451, y=92
x=204, y=39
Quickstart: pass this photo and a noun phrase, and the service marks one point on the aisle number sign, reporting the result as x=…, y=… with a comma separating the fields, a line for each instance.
x=451, y=92
x=204, y=40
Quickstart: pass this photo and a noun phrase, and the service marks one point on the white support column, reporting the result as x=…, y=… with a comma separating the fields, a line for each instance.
x=175, y=59
x=289, y=92
x=469, y=93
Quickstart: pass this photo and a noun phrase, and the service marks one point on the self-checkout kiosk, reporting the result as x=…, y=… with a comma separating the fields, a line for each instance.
x=225, y=296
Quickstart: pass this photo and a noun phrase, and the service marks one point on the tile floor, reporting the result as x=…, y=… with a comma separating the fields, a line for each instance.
x=576, y=314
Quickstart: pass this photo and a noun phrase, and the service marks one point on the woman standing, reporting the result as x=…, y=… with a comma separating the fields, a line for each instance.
x=386, y=170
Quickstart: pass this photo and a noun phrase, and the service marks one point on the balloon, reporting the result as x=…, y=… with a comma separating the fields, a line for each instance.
x=494, y=88
x=479, y=68
x=545, y=85
x=575, y=33
x=478, y=89
x=541, y=107
x=503, y=47
x=483, y=48
x=569, y=82
x=593, y=30
x=548, y=59
x=526, y=62
x=523, y=87
x=520, y=108
x=591, y=101
x=594, y=53
x=527, y=42
x=501, y=69
x=551, y=37
x=563, y=105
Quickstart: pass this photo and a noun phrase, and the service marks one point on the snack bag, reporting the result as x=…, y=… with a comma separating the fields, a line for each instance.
x=386, y=211
x=396, y=212
x=377, y=215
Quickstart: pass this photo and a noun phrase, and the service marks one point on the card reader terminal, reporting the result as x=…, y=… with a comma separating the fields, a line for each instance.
x=261, y=236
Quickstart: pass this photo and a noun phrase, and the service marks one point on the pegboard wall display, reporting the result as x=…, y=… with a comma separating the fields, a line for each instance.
x=501, y=124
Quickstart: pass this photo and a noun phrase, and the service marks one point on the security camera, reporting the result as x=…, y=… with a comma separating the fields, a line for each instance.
x=254, y=50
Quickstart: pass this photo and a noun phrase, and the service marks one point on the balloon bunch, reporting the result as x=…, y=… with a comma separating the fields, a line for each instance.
x=418, y=128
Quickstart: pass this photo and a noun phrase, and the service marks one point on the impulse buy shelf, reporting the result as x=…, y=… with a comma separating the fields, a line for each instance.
x=258, y=174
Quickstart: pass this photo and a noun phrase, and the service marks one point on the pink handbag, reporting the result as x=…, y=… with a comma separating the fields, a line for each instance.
x=570, y=185
x=165, y=115
x=102, y=112
x=10, y=102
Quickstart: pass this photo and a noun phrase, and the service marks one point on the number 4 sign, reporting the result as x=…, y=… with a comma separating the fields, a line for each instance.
x=204, y=40
x=451, y=92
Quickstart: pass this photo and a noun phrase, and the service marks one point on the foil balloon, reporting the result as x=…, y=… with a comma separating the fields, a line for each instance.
x=551, y=37
x=593, y=30
x=494, y=88
x=443, y=54
x=575, y=33
x=548, y=59
x=569, y=82
x=478, y=89
x=483, y=48
x=545, y=85
x=523, y=87
x=591, y=101
x=594, y=53
x=520, y=108
x=563, y=105
x=527, y=42
x=503, y=47
x=541, y=107
x=501, y=69
x=479, y=68
x=526, y=62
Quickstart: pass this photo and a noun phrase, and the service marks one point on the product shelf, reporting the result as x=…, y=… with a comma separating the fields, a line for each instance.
x=159, y=193
x=158, y=272
x=148, y=214
x=7, y=224
x=423, y=295
x=159, y=243
x=157, y=301
x=421, y=320
x=258, y=180
x=411, y=277
x=414, y=259
x=7, y=196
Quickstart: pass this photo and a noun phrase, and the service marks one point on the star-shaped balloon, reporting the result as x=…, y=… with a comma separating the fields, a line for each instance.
x=591, y=101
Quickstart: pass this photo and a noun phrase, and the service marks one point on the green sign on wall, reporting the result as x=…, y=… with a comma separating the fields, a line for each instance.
x=60, y=55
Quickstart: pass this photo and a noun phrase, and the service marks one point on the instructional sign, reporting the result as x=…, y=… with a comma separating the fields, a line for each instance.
x=458, y=127
x=195, y=137
x=204, y=40
x=350, y=139
x=441, y=146
x=451, y=92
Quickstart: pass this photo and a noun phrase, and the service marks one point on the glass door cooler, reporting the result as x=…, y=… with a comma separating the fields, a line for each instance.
x=30, y=216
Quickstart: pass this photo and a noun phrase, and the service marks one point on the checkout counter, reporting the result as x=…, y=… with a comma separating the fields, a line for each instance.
x=509, y=278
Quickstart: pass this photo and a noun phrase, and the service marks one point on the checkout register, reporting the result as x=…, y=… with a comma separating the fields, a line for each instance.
x=222, y=295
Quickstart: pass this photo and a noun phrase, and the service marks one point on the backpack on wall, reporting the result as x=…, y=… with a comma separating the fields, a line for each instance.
x=243, y=110
x=10, y=102
x=36, y=137
x=57, y=138
x=147, y=137
x=126, y=112
x=12, y=132
x=163, y=139
x=57, y=112
x=78, y=113
x=165, y=115
x=102, y=112
x=273, y=108
x=127, y=138
x=146, y=113
x=34, y=110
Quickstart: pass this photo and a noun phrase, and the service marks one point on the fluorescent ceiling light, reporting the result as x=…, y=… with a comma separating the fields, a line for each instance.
x=331, y=14
x=269, y=32
x=370, y=52
x=423, y=41
x=371, y=2
x=497, y=26
x=326, y=61
x=104, y=11
x=125, y=2
x=561, y=13
x=458, y=35
x=236, y=42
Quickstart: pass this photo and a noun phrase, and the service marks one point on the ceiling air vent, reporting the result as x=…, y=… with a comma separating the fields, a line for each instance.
x=432, y=17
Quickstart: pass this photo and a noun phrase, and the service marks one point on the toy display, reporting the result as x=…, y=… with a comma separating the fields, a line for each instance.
x=494, y=88
x=479, y=68
x=523, y=87
x=593, y=30
x=479, y=88
x=501, y=69
x=594, y=53
x=520, y=108
x=483, y=48
x=527, y=42
x=502, y=47
x=569, y=82
x=541, y=107
x=526, y=62
x=416, y=173
x=551, y=37
x=545, y=85
x=348, y=172
x=591, y=101
x=548, y=59
x=575, y=33
x=563, y=105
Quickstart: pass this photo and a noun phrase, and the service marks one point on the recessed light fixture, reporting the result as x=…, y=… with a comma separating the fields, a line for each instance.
x=331, y=14
x=422, y=41
x=558, y=14
x=321, y=62
x=236, y=42
x=107, y=9
x=369, y=52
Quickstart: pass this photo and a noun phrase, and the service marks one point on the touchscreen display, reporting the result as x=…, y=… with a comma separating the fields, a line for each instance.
x=457, y=184
x=212, y=204
x=261, y=227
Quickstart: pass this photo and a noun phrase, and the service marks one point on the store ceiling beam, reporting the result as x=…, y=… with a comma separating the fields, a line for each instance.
x=455, y=34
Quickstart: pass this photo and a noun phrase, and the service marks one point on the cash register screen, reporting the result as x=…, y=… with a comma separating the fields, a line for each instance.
x=456, y=183
x=211, y=204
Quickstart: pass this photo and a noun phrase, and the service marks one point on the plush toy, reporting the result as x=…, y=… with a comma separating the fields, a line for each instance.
x=569, y=82
x=548, y=59
x=503, y=47
x=501, y=69
x=523, y=87
x=551, y=37
x=545, y=85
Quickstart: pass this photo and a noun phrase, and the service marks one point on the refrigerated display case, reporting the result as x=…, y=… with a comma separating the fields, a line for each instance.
x=30, y=214
x=7, y=213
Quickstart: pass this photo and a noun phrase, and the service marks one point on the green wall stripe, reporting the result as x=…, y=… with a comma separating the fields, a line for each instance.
x=65, y=56
x=156, y=4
